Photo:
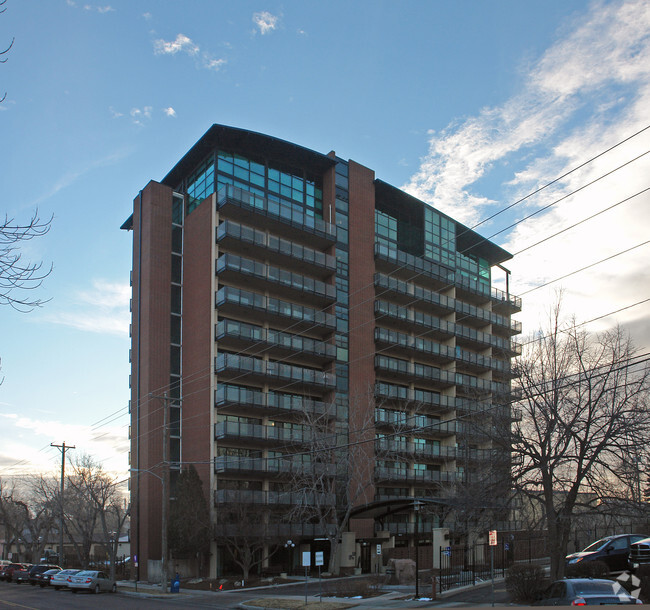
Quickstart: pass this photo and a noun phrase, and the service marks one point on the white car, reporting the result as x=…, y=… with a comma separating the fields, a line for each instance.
x=91, y=580
x=60, y=579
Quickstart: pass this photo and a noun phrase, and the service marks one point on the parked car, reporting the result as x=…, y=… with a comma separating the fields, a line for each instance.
x=639, y=554
x=36, y=572
x=585, y=592
x=613, y=551
x=8, y=572
x=22, y=575
x=60, y=579
x=42, y=579
x=91, y=580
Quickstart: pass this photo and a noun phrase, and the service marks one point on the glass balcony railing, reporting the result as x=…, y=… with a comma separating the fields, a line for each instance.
x=416, y=370
x=278, y=370
x=444, y=275
x=227, y=395
x=410, y=475
x=433, y=324
x=275, y=245
x=401, y=420
x=268, y=337
x=259, y=432
x=389, y=391
x=273, y=498
x=270, y=466
x=389, y=446
x=282, y=278
x=293, y=312
x=278, y=211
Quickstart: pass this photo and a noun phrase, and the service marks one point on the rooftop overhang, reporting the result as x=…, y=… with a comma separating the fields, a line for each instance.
x=467, y=240
x=247, y=142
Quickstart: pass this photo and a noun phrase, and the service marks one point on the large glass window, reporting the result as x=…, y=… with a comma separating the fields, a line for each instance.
x=301, y=191
x=200, y=184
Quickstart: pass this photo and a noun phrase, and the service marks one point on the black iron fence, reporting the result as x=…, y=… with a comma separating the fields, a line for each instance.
x=468, y=565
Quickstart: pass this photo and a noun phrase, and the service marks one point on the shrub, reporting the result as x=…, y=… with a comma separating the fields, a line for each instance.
x=525, y=581
x=588, y=569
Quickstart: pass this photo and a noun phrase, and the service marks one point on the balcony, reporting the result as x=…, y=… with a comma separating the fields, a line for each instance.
x=266, y=371
x=231, y=267
x=405, y=293
x=409, y=344
x=269, y=466
x=256, y=402
x=240, y=336
x=402, y=421
x=407, y=318
x=411, y=475
x=278, y=217
x=301, y=318
x=388, y=392
x=272, y=498
x=386, y=446
x=247, y=240
x=441, y=277
x=423, y=373
x=280, y=531
x=260, y=434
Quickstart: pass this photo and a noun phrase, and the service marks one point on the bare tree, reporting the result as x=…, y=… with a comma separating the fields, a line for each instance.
x=3, y=53
x=584, y=405
x=17, y=277
x=28, y=519
x=336, y=477
x=98, y=502
x=246, y=531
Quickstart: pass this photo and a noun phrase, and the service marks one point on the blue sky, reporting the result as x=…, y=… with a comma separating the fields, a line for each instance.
x=468, y=105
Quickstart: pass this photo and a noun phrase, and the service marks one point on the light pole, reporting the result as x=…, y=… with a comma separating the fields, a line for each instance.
x=163, y=533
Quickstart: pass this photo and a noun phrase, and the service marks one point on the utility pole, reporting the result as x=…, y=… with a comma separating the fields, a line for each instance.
x=62, y=448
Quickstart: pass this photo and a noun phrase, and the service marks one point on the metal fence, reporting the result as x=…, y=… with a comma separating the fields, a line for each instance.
x=468, y=565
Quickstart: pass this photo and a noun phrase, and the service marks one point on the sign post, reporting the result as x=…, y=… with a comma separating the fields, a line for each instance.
x=492, y=538
x=319, y=563
x=306, y=562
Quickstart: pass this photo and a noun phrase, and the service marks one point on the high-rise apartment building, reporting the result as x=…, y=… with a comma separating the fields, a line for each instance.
x=276, y=288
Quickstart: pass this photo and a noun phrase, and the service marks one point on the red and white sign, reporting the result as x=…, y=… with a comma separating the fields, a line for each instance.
x=492, y=537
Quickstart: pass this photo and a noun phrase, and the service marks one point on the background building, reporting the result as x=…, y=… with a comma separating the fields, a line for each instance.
x=279, y=294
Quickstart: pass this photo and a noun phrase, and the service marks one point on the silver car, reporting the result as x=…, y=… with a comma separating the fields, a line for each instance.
x=60, y=579
x=91, y=580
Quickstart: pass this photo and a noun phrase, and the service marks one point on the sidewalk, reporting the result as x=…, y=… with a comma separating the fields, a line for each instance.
x=394, y=597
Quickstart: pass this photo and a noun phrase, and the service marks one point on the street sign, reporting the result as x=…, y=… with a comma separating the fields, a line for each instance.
x=493, y=538
x=306, y=559
x=319, y=558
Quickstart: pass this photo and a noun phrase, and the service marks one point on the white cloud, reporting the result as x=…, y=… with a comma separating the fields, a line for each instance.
x=108, y=443
x=213, y=64
x=140, y=115
x=103, y=309
x=588, y=91
x=184, y=44
x=102, y=10
x=265, y=21
x=181, y=43
x=147, y=16
x=169, y=111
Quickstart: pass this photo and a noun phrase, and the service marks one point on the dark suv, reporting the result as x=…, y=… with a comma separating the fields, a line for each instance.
x=612, y=551
x=639, y=554
x=36, y=572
